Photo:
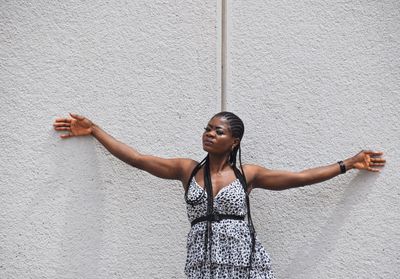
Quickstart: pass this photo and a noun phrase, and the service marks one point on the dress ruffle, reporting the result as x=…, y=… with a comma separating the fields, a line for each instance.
x=227, y=271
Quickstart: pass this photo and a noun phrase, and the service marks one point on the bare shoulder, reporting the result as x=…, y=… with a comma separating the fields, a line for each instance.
x=249, y=168
x=187, y=167
x=188, y=164
x=252, y=171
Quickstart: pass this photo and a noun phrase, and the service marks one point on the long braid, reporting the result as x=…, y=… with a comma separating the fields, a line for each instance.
x=210, y=202
x=195, y=170
x=205, y=163
x=208, y=189
x=249, y=219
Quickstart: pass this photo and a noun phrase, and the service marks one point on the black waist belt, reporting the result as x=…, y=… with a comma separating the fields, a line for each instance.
x=216, y=217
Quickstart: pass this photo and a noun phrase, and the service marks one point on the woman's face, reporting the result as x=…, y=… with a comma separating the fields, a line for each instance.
x=217, y=137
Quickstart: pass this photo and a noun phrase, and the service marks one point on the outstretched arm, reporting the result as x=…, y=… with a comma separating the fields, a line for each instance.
x=259, y=177
x=177, y=168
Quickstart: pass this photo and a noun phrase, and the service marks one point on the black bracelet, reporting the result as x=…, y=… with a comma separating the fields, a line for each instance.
x=342, y=167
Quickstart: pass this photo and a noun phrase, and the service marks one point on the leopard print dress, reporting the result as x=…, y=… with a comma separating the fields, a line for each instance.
x=230, y=242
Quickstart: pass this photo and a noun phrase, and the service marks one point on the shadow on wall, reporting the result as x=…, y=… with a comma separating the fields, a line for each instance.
x=76, y=181
x=311, y=254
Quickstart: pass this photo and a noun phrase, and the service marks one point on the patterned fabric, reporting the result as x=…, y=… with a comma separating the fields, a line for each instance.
x=230, y=242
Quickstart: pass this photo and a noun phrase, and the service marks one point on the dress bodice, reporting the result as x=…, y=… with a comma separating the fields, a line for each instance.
x=231, y=199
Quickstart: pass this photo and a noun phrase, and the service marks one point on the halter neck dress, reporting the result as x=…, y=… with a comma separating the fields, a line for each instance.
x=230, y=241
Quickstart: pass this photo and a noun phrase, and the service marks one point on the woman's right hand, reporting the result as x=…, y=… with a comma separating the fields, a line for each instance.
x=77, y=126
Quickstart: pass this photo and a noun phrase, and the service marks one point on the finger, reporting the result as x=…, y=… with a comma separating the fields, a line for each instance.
x=62, y=124
x=374, y=153
x=62, y=128
x=63, y=120
x=378, y=160
x=377, y=164
x=64, y=136
x=373, y=170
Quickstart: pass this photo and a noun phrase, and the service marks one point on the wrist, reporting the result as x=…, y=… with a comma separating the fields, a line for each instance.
x=94, y=129
x=349, y=163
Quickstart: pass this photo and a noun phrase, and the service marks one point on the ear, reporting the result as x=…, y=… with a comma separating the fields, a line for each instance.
x=236, y=142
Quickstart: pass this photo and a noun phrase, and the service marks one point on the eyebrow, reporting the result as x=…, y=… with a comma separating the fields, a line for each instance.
x=216, y=127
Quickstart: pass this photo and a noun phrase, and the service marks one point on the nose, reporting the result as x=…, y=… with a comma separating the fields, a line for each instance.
x=210, y=134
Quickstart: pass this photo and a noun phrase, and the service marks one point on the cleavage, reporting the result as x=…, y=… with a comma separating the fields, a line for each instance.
x=217, y=186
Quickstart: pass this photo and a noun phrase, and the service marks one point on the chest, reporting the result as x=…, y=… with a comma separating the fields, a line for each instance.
x=218, y=182
x=231, y=199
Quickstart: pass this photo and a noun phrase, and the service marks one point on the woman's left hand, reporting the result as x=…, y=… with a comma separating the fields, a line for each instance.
x=368, y=160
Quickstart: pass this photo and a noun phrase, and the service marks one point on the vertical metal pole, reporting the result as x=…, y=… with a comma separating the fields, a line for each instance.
x=223, y=53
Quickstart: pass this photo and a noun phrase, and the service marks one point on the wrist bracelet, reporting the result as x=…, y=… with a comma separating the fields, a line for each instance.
x=342, y=167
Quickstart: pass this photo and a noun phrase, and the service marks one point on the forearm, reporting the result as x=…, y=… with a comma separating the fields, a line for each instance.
x=319, y=174
x=115, y=147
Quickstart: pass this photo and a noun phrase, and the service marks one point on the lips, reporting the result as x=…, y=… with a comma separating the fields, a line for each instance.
x=208, y=142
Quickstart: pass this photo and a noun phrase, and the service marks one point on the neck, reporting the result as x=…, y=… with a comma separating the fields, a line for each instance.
x=218, y=162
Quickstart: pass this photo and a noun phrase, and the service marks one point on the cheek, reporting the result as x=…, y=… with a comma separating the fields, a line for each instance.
x=226, y=143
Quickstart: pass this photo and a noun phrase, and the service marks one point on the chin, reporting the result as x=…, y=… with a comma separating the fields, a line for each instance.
x=206, y=148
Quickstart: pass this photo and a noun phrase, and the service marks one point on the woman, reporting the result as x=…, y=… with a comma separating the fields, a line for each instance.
x=221, y=244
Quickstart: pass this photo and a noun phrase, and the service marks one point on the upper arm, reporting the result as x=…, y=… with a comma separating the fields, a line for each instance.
x=174, y=168
x=260, y=177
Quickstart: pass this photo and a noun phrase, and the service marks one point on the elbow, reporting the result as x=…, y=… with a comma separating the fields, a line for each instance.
x=306, y=178
x=135, y=161
x=129, y=156
x=302, y=179
x=299, y=179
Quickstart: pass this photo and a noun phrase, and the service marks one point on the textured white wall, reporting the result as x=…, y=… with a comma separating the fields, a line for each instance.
x=146, y=71
x=314, y=83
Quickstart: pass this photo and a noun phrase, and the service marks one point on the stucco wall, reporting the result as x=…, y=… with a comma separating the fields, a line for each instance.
x=145, y=71
x=314, y=83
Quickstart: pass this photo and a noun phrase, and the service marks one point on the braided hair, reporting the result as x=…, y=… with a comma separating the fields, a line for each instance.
x=236, y=128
